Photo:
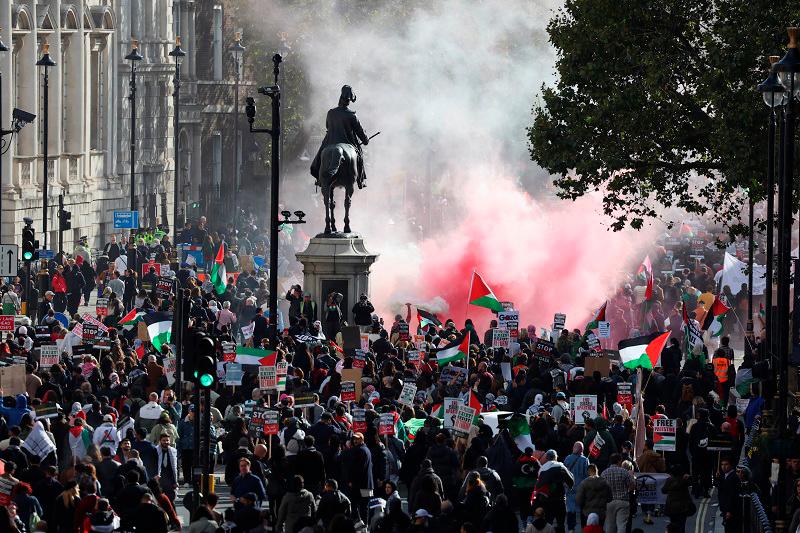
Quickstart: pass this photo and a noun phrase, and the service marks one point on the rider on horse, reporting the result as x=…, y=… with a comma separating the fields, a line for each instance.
x=343, y=127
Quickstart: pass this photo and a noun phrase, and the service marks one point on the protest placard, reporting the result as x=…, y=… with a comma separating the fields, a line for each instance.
x=505, y=370
x=359, y=420
x=407, y=394
x=257, y=420
x=267, y=377
x=455, y=375
x=365, y=342
x=419, y=342
x=509, y=320
x=664, y=430
x=544, y=348
x=47, y=410
x=585, y=407
x=464, y=417
x=450, y=409
x=507, y=306
x=604, y=330
x=165, y=287
x=559, y=320
x=386, y=426
x=625, y=395
x=281, y=369
x=48, y=356
x=233, y=374
x=741, y=405
x=351, y=338
x=354, y=375
x=101, y=308
x=304, y=399
x=271, y=422
x=229, y=352
x=648, y=488
x=500, y=338
x=247, y=331
x=6, y=322
x=593, y=342
x=348, y=391
x=170, y=366
x=359, y=359
x=151, y=264
x=89, y=332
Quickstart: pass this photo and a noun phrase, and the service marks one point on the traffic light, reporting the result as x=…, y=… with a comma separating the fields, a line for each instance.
x=64, y=218
x=206, y=363
x=29, y=243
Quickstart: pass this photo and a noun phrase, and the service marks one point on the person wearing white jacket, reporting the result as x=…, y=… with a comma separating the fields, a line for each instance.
x=106, y=434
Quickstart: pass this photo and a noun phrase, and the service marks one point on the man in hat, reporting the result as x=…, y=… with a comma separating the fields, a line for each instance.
x=106, y=434
x=343, y=128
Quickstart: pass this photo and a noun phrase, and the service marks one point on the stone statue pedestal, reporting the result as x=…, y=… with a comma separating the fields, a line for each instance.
x=340, y=263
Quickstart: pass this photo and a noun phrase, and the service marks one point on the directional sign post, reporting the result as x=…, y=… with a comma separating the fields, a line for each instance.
x=9, y=256
x=126, y=220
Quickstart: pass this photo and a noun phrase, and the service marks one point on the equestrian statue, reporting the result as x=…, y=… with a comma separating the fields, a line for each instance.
x=339, y=161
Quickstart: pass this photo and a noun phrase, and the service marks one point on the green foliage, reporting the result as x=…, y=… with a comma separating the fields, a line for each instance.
x=655, y=105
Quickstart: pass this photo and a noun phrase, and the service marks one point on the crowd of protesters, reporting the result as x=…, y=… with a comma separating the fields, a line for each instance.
x=100, y=441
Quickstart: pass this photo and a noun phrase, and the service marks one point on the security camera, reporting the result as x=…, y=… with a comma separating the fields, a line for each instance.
x=23, y=116
x=27, y=220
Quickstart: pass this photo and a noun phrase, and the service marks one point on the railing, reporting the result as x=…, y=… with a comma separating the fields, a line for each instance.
x=755, y=516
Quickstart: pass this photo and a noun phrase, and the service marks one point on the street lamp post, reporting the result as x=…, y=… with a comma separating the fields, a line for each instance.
x=133, y=57
x=46, y=61
x=773, y=93
x=178, y=54
x=3, y=48
x=274, y=93
x=238, y=52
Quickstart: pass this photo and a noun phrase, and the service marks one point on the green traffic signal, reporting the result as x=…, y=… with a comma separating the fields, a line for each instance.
x=206, y=380
x=27, y=256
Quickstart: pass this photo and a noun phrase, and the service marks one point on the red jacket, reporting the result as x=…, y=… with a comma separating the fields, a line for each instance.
x=59, y=283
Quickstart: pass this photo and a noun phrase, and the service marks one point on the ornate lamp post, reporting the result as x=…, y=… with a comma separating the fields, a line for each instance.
x=133, y=57
x=773, y=94
x=274, y=93
x=45, y=61
x=178, y=54
x=238, y=55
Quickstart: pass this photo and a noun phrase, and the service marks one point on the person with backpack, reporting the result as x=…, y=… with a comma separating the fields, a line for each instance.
x=549, y=492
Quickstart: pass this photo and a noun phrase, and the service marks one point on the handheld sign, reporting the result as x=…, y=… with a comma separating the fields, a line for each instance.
x=258, y=420
x=271, y=422
x=164, y=287
x=281, y=369
x=402, y=330
x=509, y=320
x=267, y=377
x=359, y=359
x=414, y=358
x=625, y=395
x=419, y=342
x=386, y=426
x=360, y=420
x=229, y=352
x=604, y=330
x=407, y=394
x=501, y=338
x=6, y=322
x=450, y=408
x=233, y=374
x=664, y=430
x=559, y=320
x=48, y=355
x=89, y=331
x=365, y=342
x=101, y=309
x=464, y=418
x=348, y=391
x=585, y=407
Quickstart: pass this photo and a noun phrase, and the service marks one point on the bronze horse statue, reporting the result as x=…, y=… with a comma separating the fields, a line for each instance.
x=338, y=169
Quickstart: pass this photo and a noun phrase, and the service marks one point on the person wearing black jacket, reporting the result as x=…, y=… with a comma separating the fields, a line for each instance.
x=75, y=284
x=727, y=491
x=311, y=465
x=702, y=464
x=362, y=311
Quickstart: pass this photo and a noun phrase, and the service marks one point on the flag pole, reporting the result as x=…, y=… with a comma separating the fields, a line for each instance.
x=466, y=312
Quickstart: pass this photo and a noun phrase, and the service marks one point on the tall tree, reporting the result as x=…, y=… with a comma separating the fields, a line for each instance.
x=655, y=104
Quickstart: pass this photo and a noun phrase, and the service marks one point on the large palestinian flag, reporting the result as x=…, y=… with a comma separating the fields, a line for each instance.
x=454, y=353
x=642, y=351
x=255, y=356
x=219, y=275
x=481, y=295
x=713, y=319
x=131, y=318
x=599, y=316
x=159, y=326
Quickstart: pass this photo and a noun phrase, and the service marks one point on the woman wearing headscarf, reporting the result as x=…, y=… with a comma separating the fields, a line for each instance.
x=578, y=465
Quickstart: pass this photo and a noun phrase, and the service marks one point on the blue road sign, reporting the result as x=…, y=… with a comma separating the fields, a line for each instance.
x=47, y=254
x=126, y=220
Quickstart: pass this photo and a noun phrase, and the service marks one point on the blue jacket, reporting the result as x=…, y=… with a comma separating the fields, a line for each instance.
x=249, y=483
x=14, y=414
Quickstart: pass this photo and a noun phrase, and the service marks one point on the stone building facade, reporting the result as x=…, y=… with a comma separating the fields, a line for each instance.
x=89, y=133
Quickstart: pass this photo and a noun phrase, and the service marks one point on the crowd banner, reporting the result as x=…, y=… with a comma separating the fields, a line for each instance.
x=648, y=488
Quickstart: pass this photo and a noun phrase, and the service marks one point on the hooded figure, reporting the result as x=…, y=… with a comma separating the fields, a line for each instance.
x=14, y=414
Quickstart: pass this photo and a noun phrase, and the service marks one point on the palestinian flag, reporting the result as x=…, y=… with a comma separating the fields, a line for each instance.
x=140, y=351
x=691, y=334
x=412, y=426
x=219, y=275
x=663, y=439
x=481, y=295
x=255, y=356
x=453, y=353
x=159, y=326
x=599, y=316
x=520, y=431
x=427, y=319
x=475, y=404
x=686, y=231
x=642, y=351
x=131, y=318
x=714, y=316
x=79, y=440
x=646, y=270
